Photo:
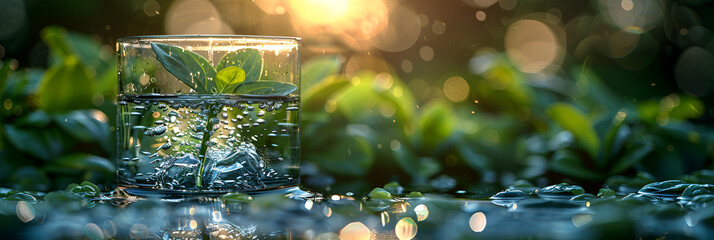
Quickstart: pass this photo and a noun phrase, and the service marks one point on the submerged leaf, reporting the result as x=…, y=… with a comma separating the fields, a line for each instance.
x=266, y=88
x=247, y=59
x=192, y=69
x=229, y=78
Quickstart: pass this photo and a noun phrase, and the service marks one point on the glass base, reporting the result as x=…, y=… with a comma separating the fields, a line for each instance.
x=168, y=194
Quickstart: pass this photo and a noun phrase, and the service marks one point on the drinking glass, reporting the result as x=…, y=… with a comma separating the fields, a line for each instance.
x=202, y=114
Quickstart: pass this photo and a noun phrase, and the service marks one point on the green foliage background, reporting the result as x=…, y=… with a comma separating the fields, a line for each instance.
x=594, y=123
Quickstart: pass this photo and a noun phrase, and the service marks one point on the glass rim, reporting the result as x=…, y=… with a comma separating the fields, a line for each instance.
x=207, y=36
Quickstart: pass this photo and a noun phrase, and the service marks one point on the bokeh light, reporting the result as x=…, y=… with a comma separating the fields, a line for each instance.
x=25, y=211
x=195, y=17
x=642, y=14
x=580, y=220
x=422, y=212
x=477, y=222
x=480, y=3
x=533, y=46
x=355, y=231
x=401, y=33
x=456, y=89
x=406, y=228
x=694, y=71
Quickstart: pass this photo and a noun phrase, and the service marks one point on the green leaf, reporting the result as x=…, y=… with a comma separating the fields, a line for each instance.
x=83, y=127
x=415, y=195
x=568, y=163
x=379, y=193
x=351, y=155
x=54, y=36
x=573, y=120
x=100, y=61
x=229, y=78
x=4, y=74
x=236, y=198
x=473, y=158
x=247, y=59
x=44, y=144
x=82, y=161
x=437, y=124
x=314, y=98
x=318, y=68
x=633, y=155
x=416, y=166
x=266, y=88
x=189, y=67
x=66, y=87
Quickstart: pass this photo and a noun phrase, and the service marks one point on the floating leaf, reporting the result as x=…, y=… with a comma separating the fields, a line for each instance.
x=192, y=69
x=266, y=88
x=229, y=78
x=562, y=190
x=247, y=59
x=379, y=193
x=415, y=195
x=394, y=187
x=605, y=193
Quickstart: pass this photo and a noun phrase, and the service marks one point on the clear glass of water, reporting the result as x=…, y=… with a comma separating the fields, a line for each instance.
x=203, y=114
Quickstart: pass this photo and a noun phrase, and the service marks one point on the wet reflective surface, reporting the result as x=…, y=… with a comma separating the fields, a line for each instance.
x=656, y=211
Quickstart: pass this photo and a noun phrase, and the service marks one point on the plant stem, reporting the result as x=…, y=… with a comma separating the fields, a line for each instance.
x=208, y=131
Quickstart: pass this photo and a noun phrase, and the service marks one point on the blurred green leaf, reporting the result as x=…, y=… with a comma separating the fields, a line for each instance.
x=247, y=59
x=316, y=69
x=29, y=178
x=4, y=74
x=569, y=163
x=632, y=155
x=315, y=97
x=473, y=158
x=83, y=127
x=687, y=107
x=54, y=37
x=266, y=88
x=45, y=144
x=66, y=87
x=573, y=120
x=20, y=84
x=37, y=118
x=348, y=156
x=229, y=78
x=416, y=166
x=614, y=136
x=189, y=67
x=436, y=125
x=99, y=61
x=81, y=161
